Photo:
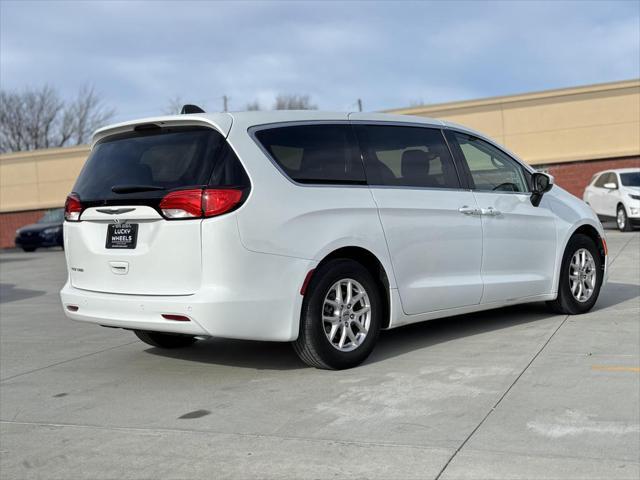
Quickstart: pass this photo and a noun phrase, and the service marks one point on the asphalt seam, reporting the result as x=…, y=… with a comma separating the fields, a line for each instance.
x=66, y=361
x=157, y=431
x=466, y=440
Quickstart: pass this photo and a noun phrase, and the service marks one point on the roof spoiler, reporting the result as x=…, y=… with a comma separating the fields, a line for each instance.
x=188, y=108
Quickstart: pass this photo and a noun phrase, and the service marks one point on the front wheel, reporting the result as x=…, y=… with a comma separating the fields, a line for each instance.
x=622, y=220
x=341, y=316
x=580, y=277
x=165, y=340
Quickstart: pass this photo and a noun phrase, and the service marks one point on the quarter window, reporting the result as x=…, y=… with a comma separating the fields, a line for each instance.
x=406, y=156
x=490, y=168
x=315, y=153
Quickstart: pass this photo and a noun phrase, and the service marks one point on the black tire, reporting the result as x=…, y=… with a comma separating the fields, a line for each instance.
x=626, y=224
x=566, y=303
x=165, y=340
x=29, y=249
x=312, y=346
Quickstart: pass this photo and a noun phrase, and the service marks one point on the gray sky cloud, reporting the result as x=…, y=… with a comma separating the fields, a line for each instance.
x=140, y=54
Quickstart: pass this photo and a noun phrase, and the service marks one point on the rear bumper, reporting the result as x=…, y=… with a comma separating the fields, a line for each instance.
x=263, y=307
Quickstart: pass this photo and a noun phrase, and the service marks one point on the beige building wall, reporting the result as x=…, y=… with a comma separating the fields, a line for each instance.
x=555, y=126
x=39, y=179
x=551, y=127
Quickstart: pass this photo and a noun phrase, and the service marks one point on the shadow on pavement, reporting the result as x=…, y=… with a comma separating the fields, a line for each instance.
x=392, y=343
x=614, y=293
x=7, y=259
x=9, y=293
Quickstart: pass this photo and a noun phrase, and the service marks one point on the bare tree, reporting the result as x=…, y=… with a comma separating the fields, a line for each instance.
x=174, y=105
x=253, y=106
x=293, y=102
x=82, y=116
x=38, y=118
x=28, y=119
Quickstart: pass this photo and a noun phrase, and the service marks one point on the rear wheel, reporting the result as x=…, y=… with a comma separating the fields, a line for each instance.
x=341, y=316
x=29, y=249
x=580, y=277
x=622, y=220
x=165, y=340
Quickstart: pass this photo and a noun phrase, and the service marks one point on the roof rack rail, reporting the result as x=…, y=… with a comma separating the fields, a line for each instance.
x=188, y=108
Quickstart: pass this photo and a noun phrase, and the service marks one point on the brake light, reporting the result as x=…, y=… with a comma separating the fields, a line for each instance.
x=199, y=203
x=216, y=202
x=72, y=208
x=182, y=204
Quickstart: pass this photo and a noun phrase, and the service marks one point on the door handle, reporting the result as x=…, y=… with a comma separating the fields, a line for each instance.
x=466, y=210
x=489, y=212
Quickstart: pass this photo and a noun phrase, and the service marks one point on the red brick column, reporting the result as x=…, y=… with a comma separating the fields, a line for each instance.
x=10, y=222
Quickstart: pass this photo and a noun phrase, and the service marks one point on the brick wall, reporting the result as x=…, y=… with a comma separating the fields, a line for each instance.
x=575, y=176
x=10, y=222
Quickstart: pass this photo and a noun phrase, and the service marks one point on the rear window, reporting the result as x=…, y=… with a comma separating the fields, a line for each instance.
x=315, y=153
x=164, y=159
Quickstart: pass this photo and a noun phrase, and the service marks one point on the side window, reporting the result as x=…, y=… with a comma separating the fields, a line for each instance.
x=406, y=156
x=490, y=168
x=315, y=153
x=602, y=179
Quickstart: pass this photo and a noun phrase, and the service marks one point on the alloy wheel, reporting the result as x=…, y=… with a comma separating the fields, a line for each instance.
x=346, y=315
x=620, y=218
x=582, y=275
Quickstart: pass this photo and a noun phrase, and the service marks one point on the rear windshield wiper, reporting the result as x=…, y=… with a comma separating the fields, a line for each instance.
x=135, y=188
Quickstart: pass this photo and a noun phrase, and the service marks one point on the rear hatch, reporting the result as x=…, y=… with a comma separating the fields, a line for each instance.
x=123, y=236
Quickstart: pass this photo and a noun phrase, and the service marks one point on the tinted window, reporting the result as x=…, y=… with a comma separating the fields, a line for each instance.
x=315, y=153
x=631, y=179
x=167, y=159
x=490, y=168
x=406, y=156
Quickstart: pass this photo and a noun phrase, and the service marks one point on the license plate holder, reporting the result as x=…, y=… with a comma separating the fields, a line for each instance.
x=122, y=235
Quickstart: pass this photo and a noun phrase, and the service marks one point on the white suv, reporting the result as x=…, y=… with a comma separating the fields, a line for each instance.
x=315, y=228
x=616, y=194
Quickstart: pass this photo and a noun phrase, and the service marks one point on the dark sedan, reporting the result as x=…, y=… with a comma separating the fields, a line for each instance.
x=46, y=232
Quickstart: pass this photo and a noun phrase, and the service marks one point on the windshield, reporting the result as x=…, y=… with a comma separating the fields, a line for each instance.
x=55, y=215
x=631, y=179
x=162, y=159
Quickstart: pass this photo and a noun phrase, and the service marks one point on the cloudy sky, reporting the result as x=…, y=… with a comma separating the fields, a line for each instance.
x=139, y=55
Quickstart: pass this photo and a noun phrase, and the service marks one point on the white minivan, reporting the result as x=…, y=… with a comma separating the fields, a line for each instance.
x=315, y=228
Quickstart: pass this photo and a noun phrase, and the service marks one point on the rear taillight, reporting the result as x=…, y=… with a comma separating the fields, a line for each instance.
x=182, y=204
x=217, y=202
x=72, y=208
x=199, y=203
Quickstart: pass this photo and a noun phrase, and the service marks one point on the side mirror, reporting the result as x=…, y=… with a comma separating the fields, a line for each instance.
x=610, y=186
x=541, y=183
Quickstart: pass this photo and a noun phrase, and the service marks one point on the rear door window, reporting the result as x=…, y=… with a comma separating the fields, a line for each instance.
x=163, y=159
x=406, y=156
x=315, y=153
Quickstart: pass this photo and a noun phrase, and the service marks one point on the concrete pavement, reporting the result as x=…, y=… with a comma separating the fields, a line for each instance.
x=512, y=393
